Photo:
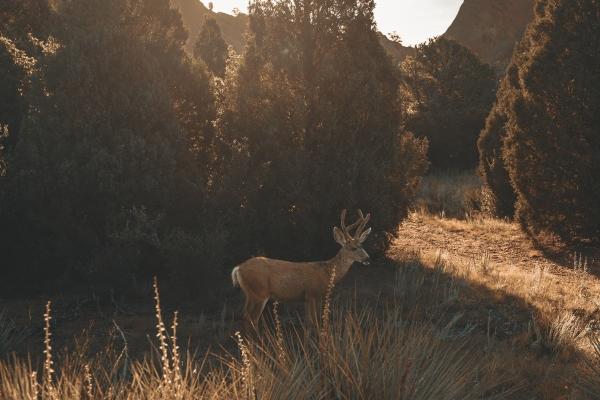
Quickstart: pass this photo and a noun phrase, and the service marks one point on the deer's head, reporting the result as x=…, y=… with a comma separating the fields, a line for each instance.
x=352, y=244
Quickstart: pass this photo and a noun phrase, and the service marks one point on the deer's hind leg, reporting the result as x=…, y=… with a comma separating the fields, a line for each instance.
x=257, y=296
x=253, y=310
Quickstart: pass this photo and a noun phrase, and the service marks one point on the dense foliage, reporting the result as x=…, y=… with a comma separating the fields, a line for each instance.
x=130, y=161
x=11, y=104
x=312, y=117
x=211, y=48
x=491, y=162
x=18, y=18
x=111, y=158
x=451, y=91
x=552, y=148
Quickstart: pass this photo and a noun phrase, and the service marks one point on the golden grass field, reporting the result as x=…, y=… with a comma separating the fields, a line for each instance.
x=463, y=307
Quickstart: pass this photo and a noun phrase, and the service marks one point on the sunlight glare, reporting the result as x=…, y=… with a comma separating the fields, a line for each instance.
x=414, y=20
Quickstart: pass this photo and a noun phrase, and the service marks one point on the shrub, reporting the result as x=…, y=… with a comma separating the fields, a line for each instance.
x=552, y=149
x=124, y=167
x=104, y=134
x=450, y=92
x=491, y=164
x=303, y=140
x=211, y=47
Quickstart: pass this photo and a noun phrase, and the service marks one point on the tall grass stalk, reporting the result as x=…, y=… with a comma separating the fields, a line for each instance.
x=327, y=304
x=47, y=385
x=162, y=339
x=366, y=355
x=278, y=331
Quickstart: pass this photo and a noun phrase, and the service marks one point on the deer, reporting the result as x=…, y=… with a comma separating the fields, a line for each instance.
x=263, y=278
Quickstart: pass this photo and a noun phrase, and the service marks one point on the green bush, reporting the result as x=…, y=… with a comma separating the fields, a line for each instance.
x=211, y=48
x=491, y=163
x=131, y=161
x=450, y=92
x=119, y=118
x=311, y=120
x=552, y=149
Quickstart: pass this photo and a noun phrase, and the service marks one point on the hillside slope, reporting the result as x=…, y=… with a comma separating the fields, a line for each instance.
x=491, y=28
x=395, y=50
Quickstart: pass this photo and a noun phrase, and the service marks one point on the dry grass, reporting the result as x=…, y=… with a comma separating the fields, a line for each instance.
x=430, y=333
x=461, y=309
x=589, y=380
x=421, y=337
x=544, y=307
x=456, y=195
x=497, y=255
x=361, y=355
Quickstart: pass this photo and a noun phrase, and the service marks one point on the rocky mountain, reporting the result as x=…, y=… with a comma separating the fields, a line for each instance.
x=233, y=27
x=394, y=49
x=491, y=28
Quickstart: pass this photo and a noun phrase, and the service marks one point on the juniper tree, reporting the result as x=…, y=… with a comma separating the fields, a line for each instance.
x=21, y=22
x=451, y=92
x=312, y=118
x=492, y=168
x=211, y=48
x=117, y=135
x=552, y=149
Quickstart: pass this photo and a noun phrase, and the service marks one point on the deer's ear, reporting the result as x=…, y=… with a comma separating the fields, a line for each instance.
x=338, y=236
x=364, y=235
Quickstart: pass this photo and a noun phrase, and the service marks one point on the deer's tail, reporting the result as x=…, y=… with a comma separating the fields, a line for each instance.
x=235, y=278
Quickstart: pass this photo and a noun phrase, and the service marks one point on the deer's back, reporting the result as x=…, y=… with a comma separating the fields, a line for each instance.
x=282, y=280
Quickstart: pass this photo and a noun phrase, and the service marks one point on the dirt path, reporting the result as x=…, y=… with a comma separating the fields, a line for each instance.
x=497, y=256
x=502, y=242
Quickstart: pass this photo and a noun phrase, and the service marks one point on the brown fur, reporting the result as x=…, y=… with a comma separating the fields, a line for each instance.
x=263, y=278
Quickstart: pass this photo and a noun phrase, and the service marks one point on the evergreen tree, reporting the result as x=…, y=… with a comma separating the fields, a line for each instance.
x=492, y=166
x=311, y=118
x=12, y=76
x=552, y=148
x=450, y=93
x=117, y=129
x=211, y=48
x=20, y=20
x=491, y=163
x=21, y=17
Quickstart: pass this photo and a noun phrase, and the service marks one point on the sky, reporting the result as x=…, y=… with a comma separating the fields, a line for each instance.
x=414, y=20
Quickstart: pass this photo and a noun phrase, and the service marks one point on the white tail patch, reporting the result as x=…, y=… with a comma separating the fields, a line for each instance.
x=234, y=277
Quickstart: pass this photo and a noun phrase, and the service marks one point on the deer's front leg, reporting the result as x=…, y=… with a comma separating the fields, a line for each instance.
x=312, y=314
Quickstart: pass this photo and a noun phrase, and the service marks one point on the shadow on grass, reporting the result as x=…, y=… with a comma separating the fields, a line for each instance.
x=580, y=256
x=493, y=323
x=540, y=353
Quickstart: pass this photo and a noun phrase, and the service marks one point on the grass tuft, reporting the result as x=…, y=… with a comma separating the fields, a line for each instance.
x=452, y=195
x=366, y=355
x=557, y=336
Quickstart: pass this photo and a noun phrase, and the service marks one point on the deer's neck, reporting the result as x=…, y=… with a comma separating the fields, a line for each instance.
x=341, y=263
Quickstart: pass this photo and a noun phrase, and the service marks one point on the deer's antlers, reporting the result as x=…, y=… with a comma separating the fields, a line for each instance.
x=361, y=222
